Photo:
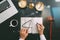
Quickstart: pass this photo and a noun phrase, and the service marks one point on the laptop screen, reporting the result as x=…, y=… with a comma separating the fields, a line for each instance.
x=4, y=5
x=56, y=15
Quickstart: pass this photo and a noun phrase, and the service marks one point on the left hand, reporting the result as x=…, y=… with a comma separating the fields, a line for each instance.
x=23, y=33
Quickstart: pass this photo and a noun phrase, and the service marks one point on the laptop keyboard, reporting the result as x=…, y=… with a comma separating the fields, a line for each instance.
x=5, y=5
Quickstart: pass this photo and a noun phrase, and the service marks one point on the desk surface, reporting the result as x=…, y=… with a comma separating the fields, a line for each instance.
x=6, y=31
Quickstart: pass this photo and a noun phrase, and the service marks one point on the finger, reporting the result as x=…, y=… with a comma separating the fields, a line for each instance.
x=42, y=27
x=26, y=30
x=40, y=24
x=23, y=30
x=38, y=27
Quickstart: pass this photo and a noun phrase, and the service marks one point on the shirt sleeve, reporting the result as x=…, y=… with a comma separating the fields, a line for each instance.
x=42, y=37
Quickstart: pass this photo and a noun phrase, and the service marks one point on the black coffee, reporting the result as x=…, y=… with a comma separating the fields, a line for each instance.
x=14, y=23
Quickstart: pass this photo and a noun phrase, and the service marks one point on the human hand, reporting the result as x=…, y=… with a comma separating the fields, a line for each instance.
x=40, y=28
x=23, y=33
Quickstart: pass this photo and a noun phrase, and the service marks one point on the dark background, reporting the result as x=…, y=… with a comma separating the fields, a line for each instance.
x=6, y=32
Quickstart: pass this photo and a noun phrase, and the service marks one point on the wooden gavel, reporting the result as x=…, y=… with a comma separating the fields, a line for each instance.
x=50, y=20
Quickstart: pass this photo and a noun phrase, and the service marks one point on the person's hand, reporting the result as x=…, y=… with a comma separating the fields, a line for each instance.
x=40, y=28
x=23, y=33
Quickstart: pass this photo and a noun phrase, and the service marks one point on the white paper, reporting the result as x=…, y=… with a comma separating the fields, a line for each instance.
x=31, y=23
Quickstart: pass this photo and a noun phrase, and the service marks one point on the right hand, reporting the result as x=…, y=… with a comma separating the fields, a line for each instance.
x=40, y=29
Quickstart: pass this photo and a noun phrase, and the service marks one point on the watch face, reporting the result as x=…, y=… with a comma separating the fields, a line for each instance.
x=39, y=6
x=22, y=4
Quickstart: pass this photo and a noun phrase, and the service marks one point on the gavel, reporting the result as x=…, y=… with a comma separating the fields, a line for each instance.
x=50, y=20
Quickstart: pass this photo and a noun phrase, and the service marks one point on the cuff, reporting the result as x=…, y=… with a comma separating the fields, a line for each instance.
x=21, y=39
x=42, y=37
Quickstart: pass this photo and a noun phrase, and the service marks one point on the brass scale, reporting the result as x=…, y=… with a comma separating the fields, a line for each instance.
x=39, y=5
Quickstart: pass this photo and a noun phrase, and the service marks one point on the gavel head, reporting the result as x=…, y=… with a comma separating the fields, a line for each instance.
x=50, y=18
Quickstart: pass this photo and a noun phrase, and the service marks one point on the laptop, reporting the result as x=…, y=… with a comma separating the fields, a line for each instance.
x=7, y=10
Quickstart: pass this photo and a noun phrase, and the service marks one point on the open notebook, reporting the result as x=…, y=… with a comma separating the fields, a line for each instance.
x=30, y=23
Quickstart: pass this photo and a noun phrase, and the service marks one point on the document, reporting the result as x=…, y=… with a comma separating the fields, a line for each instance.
x=31, y=23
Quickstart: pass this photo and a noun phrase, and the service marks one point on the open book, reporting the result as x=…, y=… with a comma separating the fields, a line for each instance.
x=30, y=23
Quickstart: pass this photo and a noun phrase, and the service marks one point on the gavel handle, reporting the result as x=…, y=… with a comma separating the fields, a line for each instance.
x=51, y=30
